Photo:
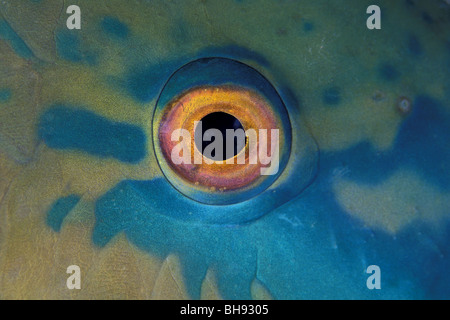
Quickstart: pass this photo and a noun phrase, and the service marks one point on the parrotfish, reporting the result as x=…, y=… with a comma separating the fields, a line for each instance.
x=357, y=205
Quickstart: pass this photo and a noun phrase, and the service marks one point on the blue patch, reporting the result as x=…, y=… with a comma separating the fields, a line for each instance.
x=62, y=127
x=331, y=96
x=145, y=82
x=18, y=45
x=388, y=72
x=234, y=52
x=421, y=144
x=427, y=18
x=5, y=95
x=59, y=210
x=114, y=27
x=414, y=45
x=308, y=26
x=69, y=48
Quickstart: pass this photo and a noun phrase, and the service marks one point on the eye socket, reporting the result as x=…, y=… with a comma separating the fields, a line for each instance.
x=220, y=93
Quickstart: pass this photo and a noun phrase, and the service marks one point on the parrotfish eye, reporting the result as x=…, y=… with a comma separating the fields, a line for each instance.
x=221, y=121
x=250, y=120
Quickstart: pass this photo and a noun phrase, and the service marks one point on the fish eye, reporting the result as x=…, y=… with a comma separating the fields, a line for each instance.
x=222, y=121
x=222, y=134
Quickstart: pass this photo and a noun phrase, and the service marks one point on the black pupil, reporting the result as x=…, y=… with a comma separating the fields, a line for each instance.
x=221, y=121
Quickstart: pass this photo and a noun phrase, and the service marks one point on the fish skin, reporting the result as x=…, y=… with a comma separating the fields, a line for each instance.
x=379, y=195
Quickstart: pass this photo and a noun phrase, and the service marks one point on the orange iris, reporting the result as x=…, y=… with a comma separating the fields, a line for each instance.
x=251, y=109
